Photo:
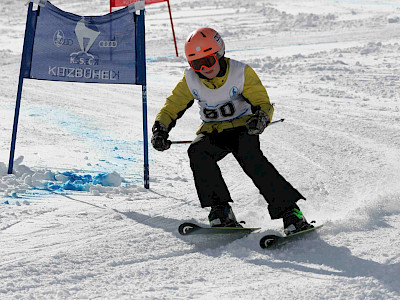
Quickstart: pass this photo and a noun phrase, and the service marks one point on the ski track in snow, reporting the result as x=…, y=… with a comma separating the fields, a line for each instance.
x=332, y=70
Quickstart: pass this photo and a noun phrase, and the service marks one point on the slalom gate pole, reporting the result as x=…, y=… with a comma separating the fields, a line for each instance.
x=188, y=142
x=27, y=51
x=141, y=32
x=172, y=26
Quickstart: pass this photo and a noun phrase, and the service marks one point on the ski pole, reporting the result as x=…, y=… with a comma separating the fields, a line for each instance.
x=277, y=121
x=181, y=142
x=188, y=142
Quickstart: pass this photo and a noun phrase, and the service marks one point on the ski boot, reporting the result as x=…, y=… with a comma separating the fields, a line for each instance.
x=294, y=221
x=222, y=216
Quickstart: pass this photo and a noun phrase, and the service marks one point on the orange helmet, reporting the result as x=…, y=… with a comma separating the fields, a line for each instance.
x=202, y=43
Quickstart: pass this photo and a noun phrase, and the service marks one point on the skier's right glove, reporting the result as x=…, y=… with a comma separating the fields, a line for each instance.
x=159, y=140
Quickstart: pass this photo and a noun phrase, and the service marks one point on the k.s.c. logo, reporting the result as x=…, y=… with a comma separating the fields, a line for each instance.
x=60, y=40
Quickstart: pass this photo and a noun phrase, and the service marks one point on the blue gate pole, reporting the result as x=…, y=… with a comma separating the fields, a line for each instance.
x=15, y=126
x=145, y=139
x=141, y=64
x=26, y=53
x=145, y=130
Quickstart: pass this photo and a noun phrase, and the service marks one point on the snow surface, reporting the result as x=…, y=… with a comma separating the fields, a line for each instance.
x=76, y=222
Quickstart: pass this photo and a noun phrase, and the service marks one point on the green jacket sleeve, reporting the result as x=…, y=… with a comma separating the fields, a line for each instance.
x=255, y=92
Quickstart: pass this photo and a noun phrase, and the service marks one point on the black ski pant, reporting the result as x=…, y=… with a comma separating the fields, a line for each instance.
x=209, y=148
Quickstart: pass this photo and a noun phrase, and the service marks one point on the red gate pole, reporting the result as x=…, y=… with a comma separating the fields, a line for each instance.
x=172, y=26
x=113, y=4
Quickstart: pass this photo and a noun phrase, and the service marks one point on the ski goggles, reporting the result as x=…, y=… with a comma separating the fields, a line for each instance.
x=207, y=62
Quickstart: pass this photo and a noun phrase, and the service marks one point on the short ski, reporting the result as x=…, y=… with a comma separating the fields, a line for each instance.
x=190, y=228
x=272, y=241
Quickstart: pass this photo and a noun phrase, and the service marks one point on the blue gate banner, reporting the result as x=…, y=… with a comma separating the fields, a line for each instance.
x=61, y=46
x=100, y=49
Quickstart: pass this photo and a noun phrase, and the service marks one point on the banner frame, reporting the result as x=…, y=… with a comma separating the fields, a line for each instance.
x=141, y=79
x=25, y=70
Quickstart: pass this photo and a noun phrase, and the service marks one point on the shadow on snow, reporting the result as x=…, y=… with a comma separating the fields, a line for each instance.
x=317, y=251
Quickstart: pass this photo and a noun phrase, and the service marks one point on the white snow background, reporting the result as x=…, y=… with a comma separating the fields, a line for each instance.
x=332, y=69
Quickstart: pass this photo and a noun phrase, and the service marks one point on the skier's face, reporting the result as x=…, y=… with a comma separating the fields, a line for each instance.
x=212, y=72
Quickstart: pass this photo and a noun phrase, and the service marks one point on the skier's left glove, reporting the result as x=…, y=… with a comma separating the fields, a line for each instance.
x=257, y=123
x=159, y=140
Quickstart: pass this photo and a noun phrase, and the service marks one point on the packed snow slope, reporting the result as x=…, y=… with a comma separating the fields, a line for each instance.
x=76, y=222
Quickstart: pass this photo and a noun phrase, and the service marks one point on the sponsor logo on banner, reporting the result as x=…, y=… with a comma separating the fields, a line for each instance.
x=60, y=40
x=108, y=44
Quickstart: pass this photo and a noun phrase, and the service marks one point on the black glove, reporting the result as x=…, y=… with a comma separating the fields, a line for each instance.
x=160, y=136
x=258, y=122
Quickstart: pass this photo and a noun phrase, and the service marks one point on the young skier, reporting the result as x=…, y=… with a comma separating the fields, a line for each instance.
x=235, y=109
